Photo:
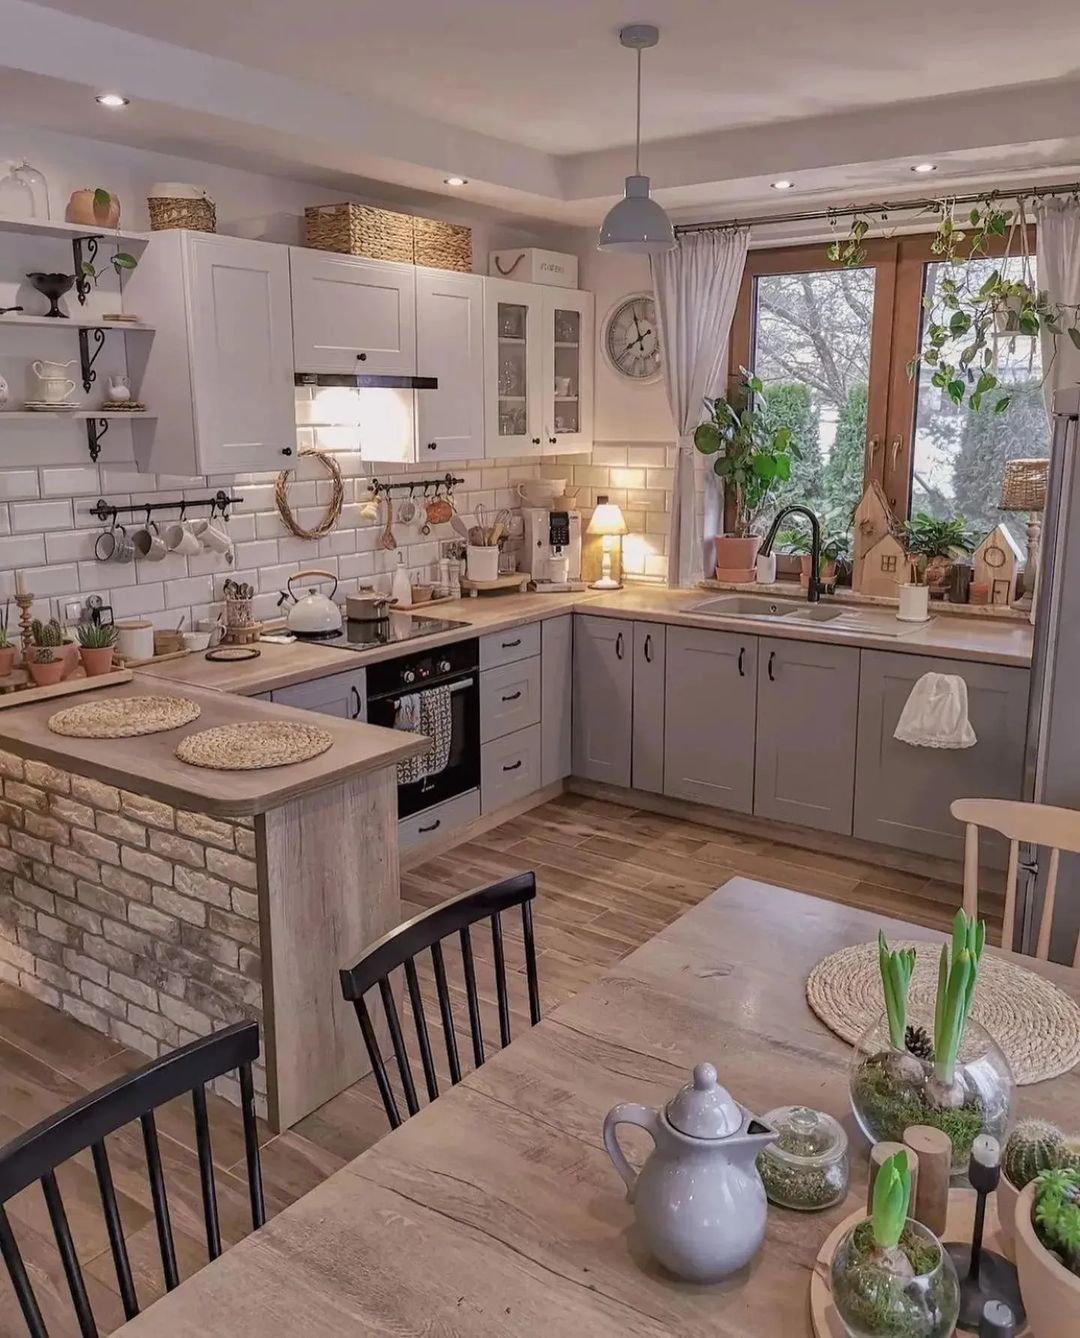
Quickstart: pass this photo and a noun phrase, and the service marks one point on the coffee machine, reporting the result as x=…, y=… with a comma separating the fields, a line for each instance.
x=552, y=554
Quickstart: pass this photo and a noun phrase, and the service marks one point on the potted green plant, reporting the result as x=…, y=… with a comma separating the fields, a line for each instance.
x=890, y=1275
x=1033, y=1146
x=51, y=634
x=1047, y=1227
x=933, y=543
x=944, y=1070
x=7, y=652
x=752, y=454
x=45, y=666
x=835, y=549
x=96, y=642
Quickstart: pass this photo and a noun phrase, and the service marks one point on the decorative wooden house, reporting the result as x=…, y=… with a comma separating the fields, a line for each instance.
x=885, y=568
x=873, y=520
x=998, y=560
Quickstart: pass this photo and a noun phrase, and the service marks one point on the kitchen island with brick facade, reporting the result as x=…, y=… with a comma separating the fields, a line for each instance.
x=157, y=901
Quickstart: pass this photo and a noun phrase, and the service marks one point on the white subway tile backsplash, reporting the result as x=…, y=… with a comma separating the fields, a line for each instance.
x=33, y=517
x=653, y=457
x=627, y=478
x=63, y=579
x=69, y=481
x=146, y=598
x=191, y=590
x=105, y=575
x=72, y=546
x=18, y=483
x=262, y=553
x=24, y=550
x=608, y=455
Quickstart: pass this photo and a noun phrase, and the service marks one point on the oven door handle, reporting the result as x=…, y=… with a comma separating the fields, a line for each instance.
x=459, y=686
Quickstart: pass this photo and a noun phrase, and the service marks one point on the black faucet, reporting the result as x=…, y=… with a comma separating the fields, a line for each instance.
x=814, y=589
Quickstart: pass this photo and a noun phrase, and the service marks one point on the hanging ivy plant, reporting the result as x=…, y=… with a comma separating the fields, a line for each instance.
x=966, y=320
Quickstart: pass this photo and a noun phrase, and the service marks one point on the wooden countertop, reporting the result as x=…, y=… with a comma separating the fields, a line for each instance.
x=149, y=766
x=957, y=638
x=495, y=1210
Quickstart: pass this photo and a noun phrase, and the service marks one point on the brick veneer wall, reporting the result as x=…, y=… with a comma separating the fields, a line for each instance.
x=139, y=919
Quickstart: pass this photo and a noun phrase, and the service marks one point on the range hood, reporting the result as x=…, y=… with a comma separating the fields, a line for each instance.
x=366, y=381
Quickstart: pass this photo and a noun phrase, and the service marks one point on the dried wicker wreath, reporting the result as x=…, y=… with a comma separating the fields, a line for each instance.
x=333, y=510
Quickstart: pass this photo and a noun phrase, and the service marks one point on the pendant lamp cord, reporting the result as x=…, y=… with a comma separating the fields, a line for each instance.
x=637, y=140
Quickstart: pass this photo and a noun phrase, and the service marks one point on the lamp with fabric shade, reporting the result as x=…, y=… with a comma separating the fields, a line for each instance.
x=607, y=520
x=1024, y=489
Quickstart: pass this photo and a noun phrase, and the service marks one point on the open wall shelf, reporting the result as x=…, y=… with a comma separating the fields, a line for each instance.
x=72, y=323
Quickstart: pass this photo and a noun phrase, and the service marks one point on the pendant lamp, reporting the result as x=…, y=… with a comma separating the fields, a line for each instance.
x=637, y=225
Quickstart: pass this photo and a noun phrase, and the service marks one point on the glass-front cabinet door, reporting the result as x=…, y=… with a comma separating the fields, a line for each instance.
x=568, y=371
x=514, y=362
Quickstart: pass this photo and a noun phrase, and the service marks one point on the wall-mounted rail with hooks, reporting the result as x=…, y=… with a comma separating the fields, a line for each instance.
x=448, y=481
x=219, y=505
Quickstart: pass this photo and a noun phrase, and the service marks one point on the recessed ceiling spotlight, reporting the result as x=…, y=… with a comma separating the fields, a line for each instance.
x=456, y=181
x=923, y=168
x=112, y=100
x=782, y=185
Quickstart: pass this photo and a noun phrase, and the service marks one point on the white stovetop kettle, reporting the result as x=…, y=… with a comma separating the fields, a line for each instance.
x=313, y=614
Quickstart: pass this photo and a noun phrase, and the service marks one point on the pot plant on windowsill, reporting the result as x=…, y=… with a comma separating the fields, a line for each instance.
x=890, y=1276
x=1034, y=1146
x=96, y=643
x=944, y=1071
x=931, y=545
x=1047, y=1228
x=45, y=666
x=51, y=635
x=752, y=454
x=835, y=549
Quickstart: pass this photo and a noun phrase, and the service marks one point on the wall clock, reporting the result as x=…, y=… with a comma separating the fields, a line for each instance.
x=631, y=338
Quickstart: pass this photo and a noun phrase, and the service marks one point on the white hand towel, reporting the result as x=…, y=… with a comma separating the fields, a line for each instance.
x=936, y=714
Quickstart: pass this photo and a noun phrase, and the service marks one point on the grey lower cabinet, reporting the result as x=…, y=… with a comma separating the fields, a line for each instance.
x=603, y=699
x=647, y=761
x=807, y=710
x=903, y=793
x=710, y=698
x=556, y=697
x=343, y=695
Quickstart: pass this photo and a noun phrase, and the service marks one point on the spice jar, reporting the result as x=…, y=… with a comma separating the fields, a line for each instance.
x=807, y=1167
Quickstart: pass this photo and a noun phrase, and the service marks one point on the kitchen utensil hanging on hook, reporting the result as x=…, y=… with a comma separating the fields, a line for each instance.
x=387, y=539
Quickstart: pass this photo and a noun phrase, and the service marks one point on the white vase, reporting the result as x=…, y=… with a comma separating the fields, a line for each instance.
x=766, y=568
x=914, y=604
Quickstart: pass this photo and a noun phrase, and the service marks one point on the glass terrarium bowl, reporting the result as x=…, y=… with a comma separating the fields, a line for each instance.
x=892, y=1090
x=876, y=1303
x=807, y=1167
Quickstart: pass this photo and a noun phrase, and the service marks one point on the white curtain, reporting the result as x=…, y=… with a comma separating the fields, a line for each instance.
x=696, y=286
x=1059, y=273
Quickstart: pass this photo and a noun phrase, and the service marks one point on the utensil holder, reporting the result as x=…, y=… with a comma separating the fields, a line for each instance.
x=483, y=563
x=238, y=613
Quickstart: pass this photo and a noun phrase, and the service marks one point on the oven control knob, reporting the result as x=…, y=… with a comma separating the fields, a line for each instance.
x=409, y=676
x=444, y=666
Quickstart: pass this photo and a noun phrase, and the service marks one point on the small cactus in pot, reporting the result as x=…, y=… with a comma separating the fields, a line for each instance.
x=51, y=634
x=1047, y=1228
x=45, y=666
x=96, y=643
x=1033, y=1147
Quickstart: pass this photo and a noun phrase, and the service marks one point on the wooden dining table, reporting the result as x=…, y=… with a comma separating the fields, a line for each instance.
x=495, y=1210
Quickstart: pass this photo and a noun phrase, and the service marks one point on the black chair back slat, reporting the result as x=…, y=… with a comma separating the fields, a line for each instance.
x=530, y=962
x=442, y=989
x=397, y=1040
x=475, y=1029
x=160, y=1200
x=115, y=1228
x=500, y=981
x=34, y=1155
x=68, y=1257
x=206, y=1172
x=420, y=1022
x=251, y=1147
x=379, y=1068
x=24, y=1293
x=403, y=945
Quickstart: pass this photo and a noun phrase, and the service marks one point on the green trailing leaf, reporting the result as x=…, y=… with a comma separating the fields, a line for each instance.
x=891, y=1201
x=707, y=438
x=122, y=260
x=1003, y=404
x=102, y=198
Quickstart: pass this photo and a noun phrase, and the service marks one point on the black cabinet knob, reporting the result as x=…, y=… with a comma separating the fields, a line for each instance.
x=433, y=445
x=361, y=357
x=536, y=441
x=286, y=450
x=552, y=441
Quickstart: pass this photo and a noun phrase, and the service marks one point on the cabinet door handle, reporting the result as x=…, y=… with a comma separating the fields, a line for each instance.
x=648, y=648
x=513, y=765
x=772, y=658
x=536, y=441
x=433, y=445
x=361, y=357
x=357, y=703
x=510, y=645
x=618, y=646
x=742, y=661
x=432, y=827
x=553, y=441
x=513, y=697
x=286, y=450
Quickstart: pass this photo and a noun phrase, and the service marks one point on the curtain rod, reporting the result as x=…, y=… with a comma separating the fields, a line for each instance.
x=883, y=207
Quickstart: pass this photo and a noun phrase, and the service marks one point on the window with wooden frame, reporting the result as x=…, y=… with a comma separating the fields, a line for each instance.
x=833, y=346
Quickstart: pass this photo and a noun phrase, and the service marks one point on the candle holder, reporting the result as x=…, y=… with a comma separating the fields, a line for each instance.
x=26, y=603
x=984, y=1274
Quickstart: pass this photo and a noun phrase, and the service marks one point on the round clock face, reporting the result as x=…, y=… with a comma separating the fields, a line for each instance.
x=632, y=338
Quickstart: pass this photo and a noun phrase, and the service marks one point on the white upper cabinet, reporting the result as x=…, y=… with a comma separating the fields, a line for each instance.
x=567, y=376
x=219, y=371
x=353, y=315
x=450, y=346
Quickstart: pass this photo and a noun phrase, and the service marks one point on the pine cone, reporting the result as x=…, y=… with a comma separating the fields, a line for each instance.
x=918, y=1043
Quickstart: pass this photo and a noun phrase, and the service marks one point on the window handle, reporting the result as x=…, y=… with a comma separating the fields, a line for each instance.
x=894, y=450
x=772, y=660
x=513, y=697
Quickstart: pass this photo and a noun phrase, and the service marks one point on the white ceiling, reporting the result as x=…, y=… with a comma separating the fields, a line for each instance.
x=534, y=102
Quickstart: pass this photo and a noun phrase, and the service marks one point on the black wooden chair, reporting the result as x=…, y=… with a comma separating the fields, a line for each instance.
x=36, y=1154
x=426, y=932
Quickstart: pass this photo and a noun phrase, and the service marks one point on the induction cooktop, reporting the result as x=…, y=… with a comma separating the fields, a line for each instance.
x=383, y=631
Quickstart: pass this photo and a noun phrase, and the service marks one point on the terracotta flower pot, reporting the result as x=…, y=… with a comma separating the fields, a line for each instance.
x=45, y=674
x=937, y=573
x=1051, y=1293
x=81, y=209
x=736, y=558
x=68, y=655
x=96, y=659
x=828, y=571
x=7, y=660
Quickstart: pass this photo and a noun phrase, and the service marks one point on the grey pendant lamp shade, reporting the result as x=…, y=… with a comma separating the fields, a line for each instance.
x=637, y=225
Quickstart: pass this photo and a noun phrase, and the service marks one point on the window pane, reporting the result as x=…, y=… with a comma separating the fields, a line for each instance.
x=959, y=454
x=812, y=350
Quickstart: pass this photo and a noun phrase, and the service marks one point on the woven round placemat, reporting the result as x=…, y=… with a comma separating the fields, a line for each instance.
x=1035, y=1024
x=258, y=743
x=124, y=717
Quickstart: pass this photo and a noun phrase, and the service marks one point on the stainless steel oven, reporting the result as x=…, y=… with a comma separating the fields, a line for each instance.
x=458, y=667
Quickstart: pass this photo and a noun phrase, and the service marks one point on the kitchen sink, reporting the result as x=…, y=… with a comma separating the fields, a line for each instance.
x=818, y=613
x=745, y=606
x=841, y=618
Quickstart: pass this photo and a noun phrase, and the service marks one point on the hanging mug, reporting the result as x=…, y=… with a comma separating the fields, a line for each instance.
x=148, y=543
x=114, y=546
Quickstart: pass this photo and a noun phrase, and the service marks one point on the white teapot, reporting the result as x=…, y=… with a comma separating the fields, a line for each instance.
x=699, y=1201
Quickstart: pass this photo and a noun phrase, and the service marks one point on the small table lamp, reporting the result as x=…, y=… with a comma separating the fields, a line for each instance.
x=607, y=520
x=1024, y=489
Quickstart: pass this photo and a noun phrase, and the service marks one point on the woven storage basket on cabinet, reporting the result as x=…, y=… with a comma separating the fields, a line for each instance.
x=198, y=215
x=382, y=234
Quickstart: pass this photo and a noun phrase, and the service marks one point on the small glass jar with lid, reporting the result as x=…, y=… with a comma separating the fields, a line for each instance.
x=807, y=1167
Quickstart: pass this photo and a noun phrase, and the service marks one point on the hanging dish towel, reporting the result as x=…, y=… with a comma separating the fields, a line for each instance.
x=425, y=713
x=936, y=714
